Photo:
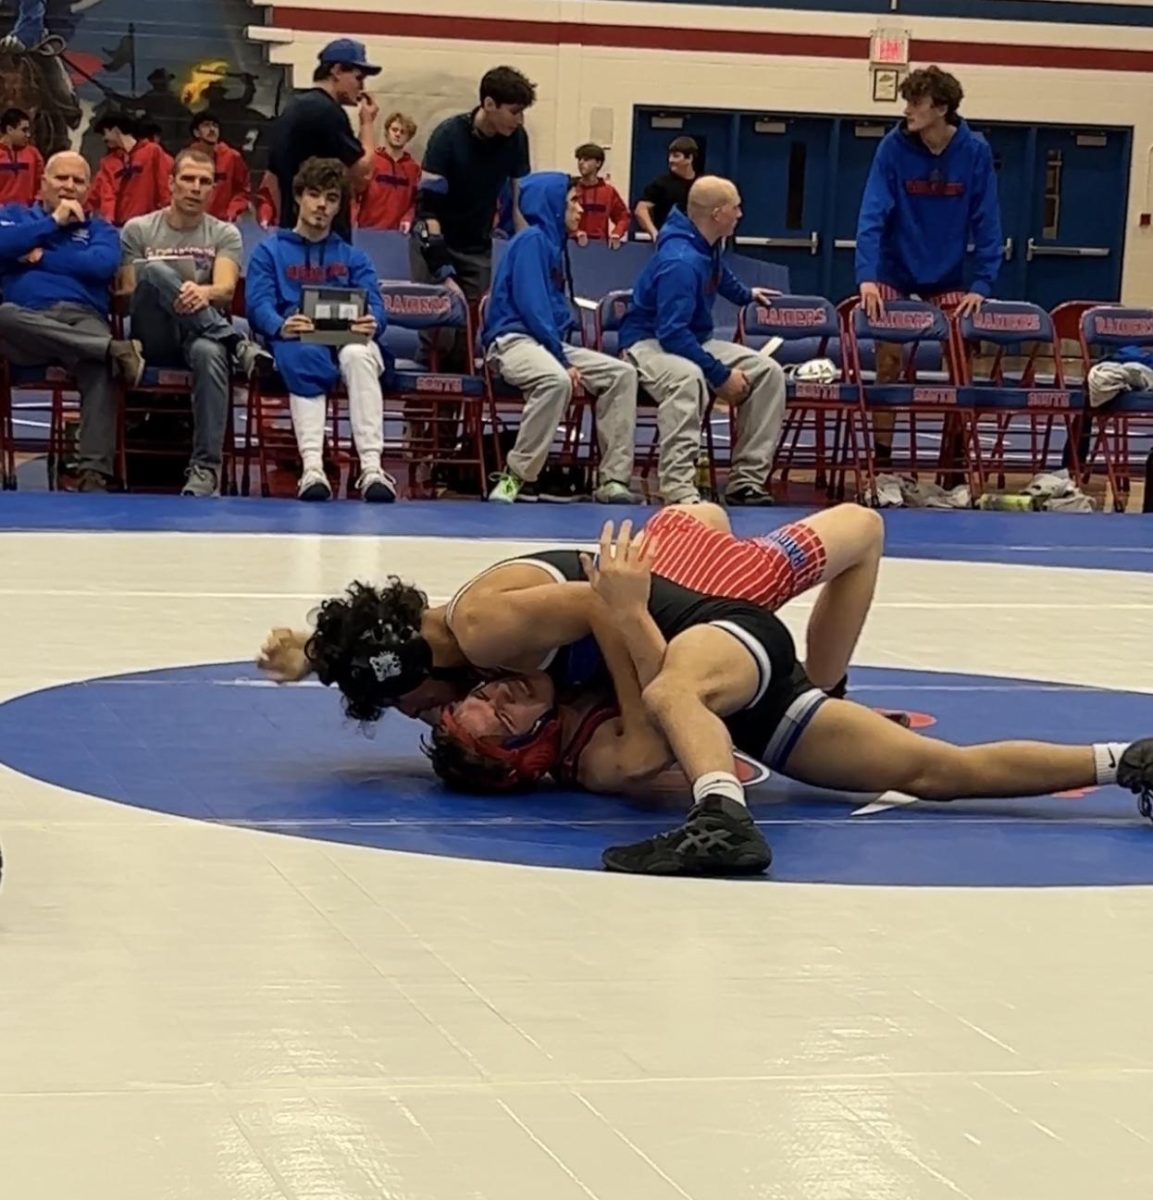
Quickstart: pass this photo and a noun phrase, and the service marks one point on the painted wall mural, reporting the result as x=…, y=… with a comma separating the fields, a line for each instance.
x=68, y=62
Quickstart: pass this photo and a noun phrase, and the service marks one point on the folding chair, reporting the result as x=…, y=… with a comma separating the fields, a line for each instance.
x=807, y=328
x=439, y=414
x=611, y=312
x=930, y=399
x=53, y=392
x=1006, y=388
x=1105, y=329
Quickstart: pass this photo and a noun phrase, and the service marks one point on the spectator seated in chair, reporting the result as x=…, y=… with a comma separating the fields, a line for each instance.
x=312, y=254
x=56, y=267
x=668, y=336
x=525, y=336
x=181, y=266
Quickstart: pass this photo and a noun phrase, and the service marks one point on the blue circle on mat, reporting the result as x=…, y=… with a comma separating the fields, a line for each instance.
x=217, y=743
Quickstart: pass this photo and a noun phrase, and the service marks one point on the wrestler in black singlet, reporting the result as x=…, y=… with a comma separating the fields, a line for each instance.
x=768, y=726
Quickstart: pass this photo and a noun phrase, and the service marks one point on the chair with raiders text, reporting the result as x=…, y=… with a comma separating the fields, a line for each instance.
x=927, y=398
x=803, y=334
x=1013, y=380
x=1124, y=424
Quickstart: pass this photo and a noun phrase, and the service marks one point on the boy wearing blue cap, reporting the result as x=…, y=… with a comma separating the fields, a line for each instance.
x=315, y=125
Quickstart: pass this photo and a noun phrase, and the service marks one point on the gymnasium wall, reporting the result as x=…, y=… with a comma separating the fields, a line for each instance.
x=593, y=61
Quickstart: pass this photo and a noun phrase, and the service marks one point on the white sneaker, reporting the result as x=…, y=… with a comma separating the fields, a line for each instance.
x=314, y=485
x=376, y=486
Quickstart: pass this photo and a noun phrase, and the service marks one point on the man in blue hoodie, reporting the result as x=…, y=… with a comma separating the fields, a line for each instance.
x=668, y=335
x=56, y=266
x=932, y=188
x=313, y=254
x=525, y=336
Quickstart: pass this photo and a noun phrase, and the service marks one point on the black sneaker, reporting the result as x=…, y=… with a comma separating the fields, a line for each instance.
x=1135, y=772
x=719, y=837
x=750, y=497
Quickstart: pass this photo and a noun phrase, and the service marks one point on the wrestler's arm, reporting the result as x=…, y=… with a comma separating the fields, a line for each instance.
x=630, y=752
x=514, y=628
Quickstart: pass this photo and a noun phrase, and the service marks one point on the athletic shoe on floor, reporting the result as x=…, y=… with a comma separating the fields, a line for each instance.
x=1135, y=772
x=719, y=837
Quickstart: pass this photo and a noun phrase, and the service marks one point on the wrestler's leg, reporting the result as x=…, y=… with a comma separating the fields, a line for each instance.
x=853, y=539
x=847, y=747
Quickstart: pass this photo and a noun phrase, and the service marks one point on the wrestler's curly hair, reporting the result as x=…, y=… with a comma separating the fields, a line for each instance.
x=464, y=770
x=344, y=624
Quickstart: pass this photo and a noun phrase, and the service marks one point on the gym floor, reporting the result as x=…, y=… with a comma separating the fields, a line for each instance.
x=249, y=952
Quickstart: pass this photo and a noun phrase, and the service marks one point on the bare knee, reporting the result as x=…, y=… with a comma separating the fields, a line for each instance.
x=940, y=772
x=711, y=515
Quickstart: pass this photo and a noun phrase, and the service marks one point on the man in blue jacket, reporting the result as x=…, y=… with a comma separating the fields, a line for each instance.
x=525, y=336
x=932, y=188
x=668, y=335
x=313, y=254
x=56, y=266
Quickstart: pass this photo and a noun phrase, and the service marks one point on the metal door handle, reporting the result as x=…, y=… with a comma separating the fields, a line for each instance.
x=845, y=244
x=1034, y=251
x=1008, y=249
x=812, y=243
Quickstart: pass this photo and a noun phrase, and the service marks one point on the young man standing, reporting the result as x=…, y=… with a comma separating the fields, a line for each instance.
x=314, y=125
x=469, y=159
x=182, y=315
x=931, y=190
x=667, y=335
x=526, y=340
x=669, y=191
x=314, y=253
x=230, y=199
x=21, y=165
x=604, y=215
x=133, y=177
x=389, y=200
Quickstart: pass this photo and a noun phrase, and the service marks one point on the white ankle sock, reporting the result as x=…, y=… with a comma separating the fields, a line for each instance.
x=1106, y=756
x=718, y=783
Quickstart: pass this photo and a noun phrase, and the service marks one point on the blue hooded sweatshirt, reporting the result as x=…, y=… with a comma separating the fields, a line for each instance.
x=673, y=296
x=528, y=291
x=920, y=210
x=277, y=273
x=78, y=264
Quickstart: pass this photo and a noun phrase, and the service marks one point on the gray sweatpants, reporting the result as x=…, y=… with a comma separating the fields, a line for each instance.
x=547, y=389
x=679, y=388
x=203, y=340
x=75, y=337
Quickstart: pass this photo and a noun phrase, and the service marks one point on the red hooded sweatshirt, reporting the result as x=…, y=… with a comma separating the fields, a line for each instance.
x=20, y=174
x=230, y=197
x=131, y=185
x=605, y=213
x=390, y=198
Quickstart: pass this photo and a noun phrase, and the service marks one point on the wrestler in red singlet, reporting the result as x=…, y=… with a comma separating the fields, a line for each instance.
x=767, y=571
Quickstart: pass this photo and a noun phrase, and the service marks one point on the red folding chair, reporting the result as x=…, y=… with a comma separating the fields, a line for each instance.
x=809, y=327
x=1104, y=330
x=927, y=396
x=1006, y=390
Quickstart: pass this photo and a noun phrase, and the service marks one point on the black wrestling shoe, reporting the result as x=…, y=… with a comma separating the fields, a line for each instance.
x=1135, y=772
x=719, y=837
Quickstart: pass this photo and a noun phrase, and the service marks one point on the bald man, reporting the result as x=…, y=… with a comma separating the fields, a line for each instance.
x=56, y=267
x=668, y=336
